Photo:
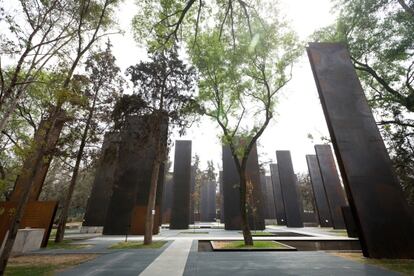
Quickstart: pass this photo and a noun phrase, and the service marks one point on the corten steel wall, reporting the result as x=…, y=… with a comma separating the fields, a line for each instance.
x=256, y=221
x=332, y=184
x=277, y=195
x=270, y=199
x=321, y=202
x=231, y=193
x=132, y=176
x=265, y=203
x=204, y=212
x=102, y=186
x=193, y=179
x=167, y=198
x=289, y=189
x=351, y=227
x=182, y=186
x=221, y=197
x=212, y=200
x=208, y=201
x=385, y=222
x=46, y=139
x=38, y=214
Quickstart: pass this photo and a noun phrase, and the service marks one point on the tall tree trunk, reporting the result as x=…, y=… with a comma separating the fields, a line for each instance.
x=159, y=154
x=149, y=218
x=20, y=209
x=66, y=204
x=247, y=235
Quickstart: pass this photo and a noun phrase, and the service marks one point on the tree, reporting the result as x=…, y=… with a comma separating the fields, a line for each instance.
x=163, y=89
x=104, y=86
x=162, y=24
x=242, y=68
x=87, y=20
x=380, y=37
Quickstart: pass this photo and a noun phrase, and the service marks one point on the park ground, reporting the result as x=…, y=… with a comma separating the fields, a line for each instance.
x=188, y=252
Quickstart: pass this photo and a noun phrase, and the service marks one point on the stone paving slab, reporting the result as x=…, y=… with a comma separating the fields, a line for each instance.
x=275, y=263
x=119, y=263
x=172, y=261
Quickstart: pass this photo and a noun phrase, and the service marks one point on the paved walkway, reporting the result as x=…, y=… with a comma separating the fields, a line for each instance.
x=172, y=261
x=180, y=256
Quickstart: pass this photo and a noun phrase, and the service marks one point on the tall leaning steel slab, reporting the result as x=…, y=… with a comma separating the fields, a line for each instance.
x=98, y=201
x=277, y=194
x=231, y=192
x=382, y=214
x=318, y=190
x=180, y=209
x=332, y=184
x=289, y=189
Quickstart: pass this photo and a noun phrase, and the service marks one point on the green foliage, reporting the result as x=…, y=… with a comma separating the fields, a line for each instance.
x=241, y=73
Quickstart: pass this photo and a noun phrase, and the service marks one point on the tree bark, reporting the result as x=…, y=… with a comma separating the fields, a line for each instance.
x=149, y=218
x=21, y=207
x=66, y=204
x=247, y=235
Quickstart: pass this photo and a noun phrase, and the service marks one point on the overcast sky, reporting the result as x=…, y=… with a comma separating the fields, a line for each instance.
x=299, y=112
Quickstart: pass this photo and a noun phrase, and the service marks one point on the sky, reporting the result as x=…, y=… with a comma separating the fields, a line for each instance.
x=298, y=112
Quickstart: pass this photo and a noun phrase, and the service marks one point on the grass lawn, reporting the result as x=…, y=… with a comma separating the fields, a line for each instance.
x=65, y=244
x=137, y=245
x=405, y=267
x=256, y=245
x=36, y=265
x=339, y=232
x=262, y=233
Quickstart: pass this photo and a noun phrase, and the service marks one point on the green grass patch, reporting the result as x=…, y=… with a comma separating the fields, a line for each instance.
x=403, y=266
x=262, y=233
x=36, y=265
x=25, y=270
x=65, y=244
x=137, y=245
x=256, y=245
x=339, y=232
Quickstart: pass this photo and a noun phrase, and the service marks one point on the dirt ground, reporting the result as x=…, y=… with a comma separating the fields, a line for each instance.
x=58, y=260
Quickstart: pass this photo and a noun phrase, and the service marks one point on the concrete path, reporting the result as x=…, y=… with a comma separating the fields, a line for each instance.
x=276, y=264
x=172, y=261
x=118, y=263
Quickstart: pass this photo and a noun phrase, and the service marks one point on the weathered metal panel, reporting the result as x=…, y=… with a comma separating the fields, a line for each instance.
x=221, y=197
x=277, y=194
x=167, y=198
x=318, y=190
x=231, y=192
x=132, y=176
x=270, y=201
x=192, y=194
x=289, y=189
x=351, y=227
x=38, y=214
x=45, y=141
x=208, y=201
x=101, y=192
x=381, y=212
x=332, y=184
x=180, y=209
x=256, y=217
